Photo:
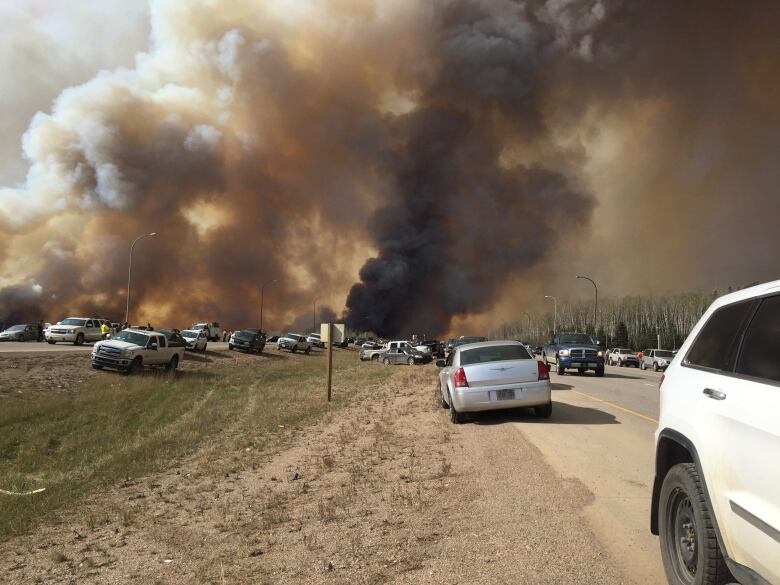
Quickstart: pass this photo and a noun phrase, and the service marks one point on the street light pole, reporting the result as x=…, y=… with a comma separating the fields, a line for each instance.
x=130, y=272
x=262, y=296
x=555, y=314
x=596, y=306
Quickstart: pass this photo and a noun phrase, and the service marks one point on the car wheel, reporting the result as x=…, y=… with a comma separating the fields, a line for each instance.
x=620, y=363
x=455, y=416
x=689, y=546
x=172, y=365
x=559, y=368
x=600, y=372
x=655, y=366
x=51, y=341
x=230, y=347
x=79, y=339
x=294, y=348
x=410, y=361
x=307, y=350
x=544, y=411
x=374, y=357
x=97, y=367
x=136, y=366
x=386, y=361
x=442, y=401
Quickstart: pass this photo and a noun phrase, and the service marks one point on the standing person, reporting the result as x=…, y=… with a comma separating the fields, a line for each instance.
x=105, y=330
x=149, y=327
x=40, y=330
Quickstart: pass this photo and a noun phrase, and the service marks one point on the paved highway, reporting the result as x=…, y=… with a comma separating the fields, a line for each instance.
x=601, y=432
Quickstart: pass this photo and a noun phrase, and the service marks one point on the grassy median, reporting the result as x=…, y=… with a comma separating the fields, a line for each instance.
x=123, y=427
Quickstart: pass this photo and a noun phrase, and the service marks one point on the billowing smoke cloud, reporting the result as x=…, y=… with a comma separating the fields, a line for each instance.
x=436, y=150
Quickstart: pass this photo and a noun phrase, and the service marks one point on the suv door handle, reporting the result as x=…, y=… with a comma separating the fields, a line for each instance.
x=714, y=394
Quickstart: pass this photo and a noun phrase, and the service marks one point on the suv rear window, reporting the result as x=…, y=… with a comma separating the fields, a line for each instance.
x=716, y=344
x=759, y=355
x=493, y=353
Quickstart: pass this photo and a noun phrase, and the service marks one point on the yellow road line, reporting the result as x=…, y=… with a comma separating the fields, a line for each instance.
x=623, y=408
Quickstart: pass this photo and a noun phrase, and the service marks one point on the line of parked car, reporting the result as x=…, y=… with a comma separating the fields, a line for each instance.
x=655, y=359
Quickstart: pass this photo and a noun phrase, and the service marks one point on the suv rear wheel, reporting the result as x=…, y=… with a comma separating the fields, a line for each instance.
x=689, y=547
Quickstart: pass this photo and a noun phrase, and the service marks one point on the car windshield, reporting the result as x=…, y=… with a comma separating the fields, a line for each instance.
x=662, y=353
x=626, y=351
x=248, y=335
x=131, y=337
x=16, y=328
x=189, y=334
x=493, y=353
x=77, y=322
x=292, y=336
x=577, y=338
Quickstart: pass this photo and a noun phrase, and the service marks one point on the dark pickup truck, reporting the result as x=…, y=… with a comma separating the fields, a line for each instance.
x=574, y=351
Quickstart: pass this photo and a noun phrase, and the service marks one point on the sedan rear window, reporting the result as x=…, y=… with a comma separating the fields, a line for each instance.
x=493, y=353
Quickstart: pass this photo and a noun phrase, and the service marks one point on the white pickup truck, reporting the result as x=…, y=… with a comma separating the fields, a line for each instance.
x=213, y=330
x=132, y=349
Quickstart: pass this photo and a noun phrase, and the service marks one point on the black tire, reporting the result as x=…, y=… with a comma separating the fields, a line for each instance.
x=456, y=417
x=307, y=351
x=559, y=368
x=294, y=349
x=620, y=363
x=386, y=361
x=79, y=339
x=172, y=365
x=442, y=401
x=230, y=347
x=600, y=372
x=51, y=341
x=689, y=545
x=136, y=366
x=375, y=357
x=410, y=361
x=655, y=366
x=97, y=367
x=543, y=411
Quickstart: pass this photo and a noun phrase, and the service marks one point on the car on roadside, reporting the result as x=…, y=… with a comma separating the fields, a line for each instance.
x=75, y=330
x=196, y=340
x=370, y=351
x=214, y=331
x=315, y=340
x=131, y=350
x=715, y=501
x=25, y=332
x=405, y=355
x=272, y=339
x=656, y=359
x=294, y=342
x=622, y=357
x=493, y=375
x=174, y=337
x=574, y=351
x=246, y=340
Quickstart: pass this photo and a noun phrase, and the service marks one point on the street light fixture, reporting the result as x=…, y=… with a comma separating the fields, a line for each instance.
x=596, y=306
x=555, y=314
x=130, y=272
x=262, y=296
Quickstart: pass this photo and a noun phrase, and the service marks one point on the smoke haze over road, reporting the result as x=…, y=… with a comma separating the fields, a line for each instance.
x=415, y=165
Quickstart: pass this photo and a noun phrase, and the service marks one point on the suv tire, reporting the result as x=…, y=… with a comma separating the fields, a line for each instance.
x=307, y=350
x=79, y=339
x=689, y=545
x=386, y=361
x=410, y=361
x=441, y=398
x=136, y=366
x=172, y=365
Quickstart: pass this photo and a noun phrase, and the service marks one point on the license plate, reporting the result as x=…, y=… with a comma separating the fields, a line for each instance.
x=505, y=394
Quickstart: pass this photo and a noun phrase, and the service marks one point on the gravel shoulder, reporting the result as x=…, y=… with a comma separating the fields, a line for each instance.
x=384, y=490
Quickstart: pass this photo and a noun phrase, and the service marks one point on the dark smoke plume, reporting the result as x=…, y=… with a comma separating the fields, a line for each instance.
x=456, y=150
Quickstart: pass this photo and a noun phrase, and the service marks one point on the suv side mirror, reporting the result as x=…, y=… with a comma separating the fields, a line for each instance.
x=153, y=346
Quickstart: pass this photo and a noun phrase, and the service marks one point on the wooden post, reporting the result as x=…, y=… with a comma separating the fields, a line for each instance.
x=330, y=358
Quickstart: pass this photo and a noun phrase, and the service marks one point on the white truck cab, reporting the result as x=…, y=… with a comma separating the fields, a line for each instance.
x=213, y=330
x=131, y=350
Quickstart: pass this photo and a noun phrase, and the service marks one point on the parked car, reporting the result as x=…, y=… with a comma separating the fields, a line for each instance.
x=294, y=342
x=174, y=337
x=371, y=351
x=578, y=351
x=132, y=349
x=405, y=355
x=20, y=333
x=493, y=375
x=75, y=330
x=315, y=340
x=196, y=339
x=715, y=501
x=623, y=357
x=213, y=330
x=246, y=340
x=657, y=359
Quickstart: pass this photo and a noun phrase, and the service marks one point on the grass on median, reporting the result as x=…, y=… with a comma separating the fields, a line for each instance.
x=119, y=427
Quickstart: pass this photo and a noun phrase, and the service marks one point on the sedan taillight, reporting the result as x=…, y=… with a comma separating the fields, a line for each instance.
x=460, y=379
x=543, y=372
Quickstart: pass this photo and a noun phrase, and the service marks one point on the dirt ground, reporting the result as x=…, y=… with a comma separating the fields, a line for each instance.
x=384, y=491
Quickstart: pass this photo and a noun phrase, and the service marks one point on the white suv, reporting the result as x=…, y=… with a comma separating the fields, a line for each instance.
x=716, y=496
x=75, y=330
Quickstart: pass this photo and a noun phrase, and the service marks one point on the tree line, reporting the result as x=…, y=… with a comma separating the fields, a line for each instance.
x=636, y=322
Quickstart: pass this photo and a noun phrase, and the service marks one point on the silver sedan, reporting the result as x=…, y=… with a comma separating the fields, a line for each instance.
x=493, y=375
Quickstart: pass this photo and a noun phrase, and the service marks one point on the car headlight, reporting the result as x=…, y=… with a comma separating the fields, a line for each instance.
x=601, y=354
x=563, y=352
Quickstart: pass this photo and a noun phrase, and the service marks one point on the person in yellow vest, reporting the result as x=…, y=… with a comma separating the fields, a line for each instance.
x=105, y=330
